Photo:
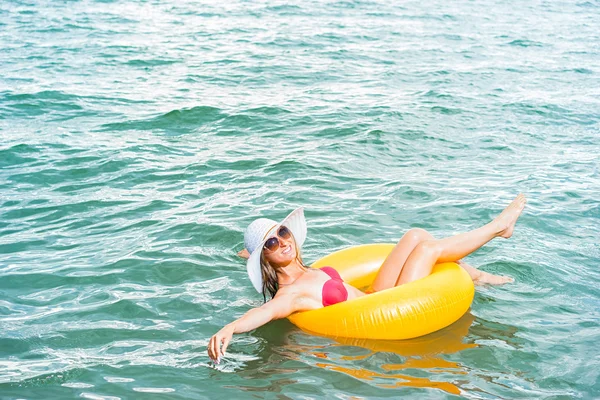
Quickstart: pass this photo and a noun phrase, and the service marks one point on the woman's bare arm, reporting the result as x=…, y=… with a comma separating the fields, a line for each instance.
x=279, y=307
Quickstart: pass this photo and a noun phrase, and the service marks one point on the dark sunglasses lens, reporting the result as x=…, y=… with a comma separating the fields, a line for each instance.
x=284, y=232
x=272, y=244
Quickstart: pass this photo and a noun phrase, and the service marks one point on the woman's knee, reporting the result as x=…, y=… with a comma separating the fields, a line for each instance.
x=417, y=235
x=429, y=247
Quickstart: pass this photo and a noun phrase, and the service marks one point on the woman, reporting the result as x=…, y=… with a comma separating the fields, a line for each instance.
x=275, y=268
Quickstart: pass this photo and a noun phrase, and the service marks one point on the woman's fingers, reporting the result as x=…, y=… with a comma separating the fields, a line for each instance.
x=213, y=347
x=226, y=341
x=216, y=345
x=210, y=348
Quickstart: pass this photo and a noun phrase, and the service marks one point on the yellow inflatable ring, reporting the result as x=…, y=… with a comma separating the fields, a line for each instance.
x=403, y=312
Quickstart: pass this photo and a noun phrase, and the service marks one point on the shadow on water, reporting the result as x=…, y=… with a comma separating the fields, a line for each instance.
x=375, y=362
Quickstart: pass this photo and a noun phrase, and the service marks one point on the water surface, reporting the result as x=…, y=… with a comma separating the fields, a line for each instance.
x=140, y=138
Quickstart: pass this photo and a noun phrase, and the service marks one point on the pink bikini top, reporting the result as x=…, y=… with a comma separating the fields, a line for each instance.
x=334, y=290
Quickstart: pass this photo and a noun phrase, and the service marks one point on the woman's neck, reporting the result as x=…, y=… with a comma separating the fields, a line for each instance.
x=288, y=274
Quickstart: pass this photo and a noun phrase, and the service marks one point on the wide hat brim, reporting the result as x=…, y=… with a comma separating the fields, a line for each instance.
x=296, y=223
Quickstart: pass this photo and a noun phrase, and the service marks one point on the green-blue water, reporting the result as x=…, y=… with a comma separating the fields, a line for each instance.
x=140, y=138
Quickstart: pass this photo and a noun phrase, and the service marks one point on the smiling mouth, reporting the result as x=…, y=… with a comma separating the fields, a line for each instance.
x=286, y=251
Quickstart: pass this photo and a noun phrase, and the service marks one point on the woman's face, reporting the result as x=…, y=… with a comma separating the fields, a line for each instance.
x=285, y=253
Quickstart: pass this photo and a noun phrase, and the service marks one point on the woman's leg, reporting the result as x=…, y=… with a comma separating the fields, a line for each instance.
x=392, y=266
x=427, y=253
x=481, y=277
x=390, y=270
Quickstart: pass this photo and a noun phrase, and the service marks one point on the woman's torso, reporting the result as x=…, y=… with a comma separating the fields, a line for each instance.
x=310, y=288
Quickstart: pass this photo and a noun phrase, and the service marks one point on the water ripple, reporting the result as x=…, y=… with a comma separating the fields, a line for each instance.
x=140, y=139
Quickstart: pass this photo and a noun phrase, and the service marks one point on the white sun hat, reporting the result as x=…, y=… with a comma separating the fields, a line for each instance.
x=262, y=229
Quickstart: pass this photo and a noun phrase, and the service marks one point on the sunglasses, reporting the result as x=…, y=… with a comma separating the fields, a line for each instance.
x=272, y=243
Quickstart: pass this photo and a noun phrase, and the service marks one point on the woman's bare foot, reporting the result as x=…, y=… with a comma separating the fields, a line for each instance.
x=508, y=218
x=492, y=279
x=480, y=277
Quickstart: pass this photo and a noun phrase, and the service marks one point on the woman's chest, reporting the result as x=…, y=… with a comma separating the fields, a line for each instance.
x=321, y=290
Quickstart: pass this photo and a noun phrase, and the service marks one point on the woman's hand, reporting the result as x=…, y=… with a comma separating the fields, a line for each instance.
x=282, y=305
x=243, y=253
x=223, y=337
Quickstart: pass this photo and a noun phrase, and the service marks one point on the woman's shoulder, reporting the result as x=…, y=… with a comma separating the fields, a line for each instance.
x=293, y=292
x=300, y=294
x=293, y=289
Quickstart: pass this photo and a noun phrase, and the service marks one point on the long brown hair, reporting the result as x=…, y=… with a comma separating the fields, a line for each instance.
x=269, y=276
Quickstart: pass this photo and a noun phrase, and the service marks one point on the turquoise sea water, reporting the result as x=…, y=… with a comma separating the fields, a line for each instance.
x=139, y=139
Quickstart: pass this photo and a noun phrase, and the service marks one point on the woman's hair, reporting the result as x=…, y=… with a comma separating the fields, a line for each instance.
x=269, y=276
